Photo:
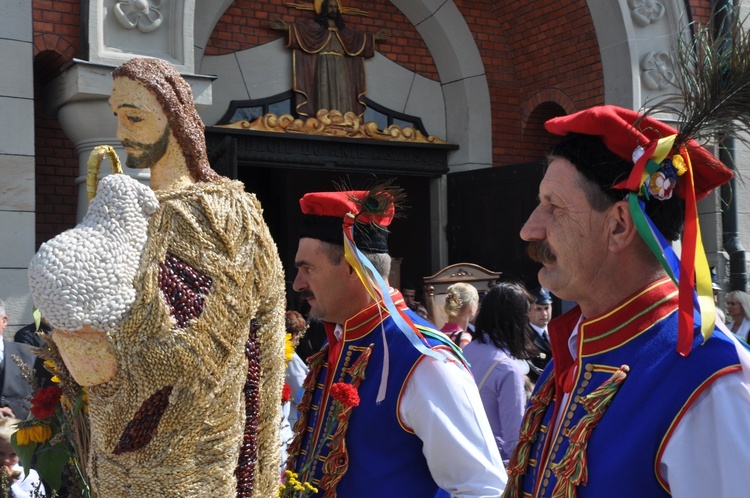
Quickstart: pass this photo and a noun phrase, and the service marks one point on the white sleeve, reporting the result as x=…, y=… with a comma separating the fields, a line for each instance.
x=709, y=452
x=441, y=404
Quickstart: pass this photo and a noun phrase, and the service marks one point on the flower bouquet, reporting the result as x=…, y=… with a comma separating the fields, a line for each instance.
x=54, y=438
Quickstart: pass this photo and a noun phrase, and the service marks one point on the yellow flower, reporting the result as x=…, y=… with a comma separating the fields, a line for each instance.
x=22, y=436
x=41, y=433
x=50, y=364
x=679, y=164
x=55, y=379
x=288, y=348
x=34, y=433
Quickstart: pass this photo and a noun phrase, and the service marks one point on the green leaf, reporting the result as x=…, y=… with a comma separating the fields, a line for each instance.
x=24, y=452
x=50, y=462
x=37, y=318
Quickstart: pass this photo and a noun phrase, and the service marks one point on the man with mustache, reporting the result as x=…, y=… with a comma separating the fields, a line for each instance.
x=419, y=424
x=636, y=401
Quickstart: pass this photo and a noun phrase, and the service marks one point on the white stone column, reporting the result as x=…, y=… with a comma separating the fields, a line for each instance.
x=17, y=193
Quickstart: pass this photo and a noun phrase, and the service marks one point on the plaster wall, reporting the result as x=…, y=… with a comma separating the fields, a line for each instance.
x=17, y=220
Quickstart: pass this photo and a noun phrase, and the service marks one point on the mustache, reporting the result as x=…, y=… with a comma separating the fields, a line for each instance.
x=133, y=145
x=541, y=252
x=306, y=294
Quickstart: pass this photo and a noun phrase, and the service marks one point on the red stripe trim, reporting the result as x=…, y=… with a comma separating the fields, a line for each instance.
x=638, y=313
x=359, y=325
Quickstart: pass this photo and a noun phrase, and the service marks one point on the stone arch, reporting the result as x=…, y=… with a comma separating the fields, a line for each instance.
x=543, y=105
x=464, y=91
x=534, y=137
x=52, y=54
x=548, y=95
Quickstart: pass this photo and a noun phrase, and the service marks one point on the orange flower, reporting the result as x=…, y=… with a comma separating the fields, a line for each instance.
x=346, y=394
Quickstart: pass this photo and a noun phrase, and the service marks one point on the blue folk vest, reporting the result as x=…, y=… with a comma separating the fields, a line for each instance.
x=628, y=390
x=384, y=456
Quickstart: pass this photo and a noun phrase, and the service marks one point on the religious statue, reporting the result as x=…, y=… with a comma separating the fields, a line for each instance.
x=168, y=305
x=329, y=71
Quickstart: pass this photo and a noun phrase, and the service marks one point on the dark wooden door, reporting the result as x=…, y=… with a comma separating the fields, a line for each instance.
x=486, y=210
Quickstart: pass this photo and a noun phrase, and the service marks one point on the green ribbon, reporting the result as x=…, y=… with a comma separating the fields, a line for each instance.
x=644, y=229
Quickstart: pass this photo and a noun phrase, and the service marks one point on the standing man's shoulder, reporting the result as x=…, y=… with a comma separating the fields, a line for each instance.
x=20, y=349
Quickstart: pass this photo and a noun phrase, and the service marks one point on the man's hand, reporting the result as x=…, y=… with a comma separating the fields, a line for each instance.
x=5, y=411
x=278, y=24
x=382, y=34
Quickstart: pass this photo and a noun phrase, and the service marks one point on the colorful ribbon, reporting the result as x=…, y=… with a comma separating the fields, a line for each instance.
x=693, y=266
x=380, y=293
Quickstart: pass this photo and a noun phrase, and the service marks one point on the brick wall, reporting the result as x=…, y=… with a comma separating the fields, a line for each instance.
x=245, y=25
x=56, y=41
x=56, y=170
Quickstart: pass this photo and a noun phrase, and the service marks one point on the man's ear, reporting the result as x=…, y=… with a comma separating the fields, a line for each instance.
x=620, y=226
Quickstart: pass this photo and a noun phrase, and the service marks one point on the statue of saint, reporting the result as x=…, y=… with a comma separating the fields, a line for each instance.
x=183, y=361
x=329, y=71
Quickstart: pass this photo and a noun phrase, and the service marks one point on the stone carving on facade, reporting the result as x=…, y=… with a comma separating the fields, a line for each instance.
x=334, y=123
x=328, y=67
x=645, y=12
x=657, y=71
x=141, y=14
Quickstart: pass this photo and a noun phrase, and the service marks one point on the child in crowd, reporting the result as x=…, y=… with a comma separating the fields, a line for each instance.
x=21, y=486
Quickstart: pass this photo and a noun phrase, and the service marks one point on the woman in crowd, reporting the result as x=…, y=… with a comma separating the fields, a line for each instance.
x=738, y=309
x=461, y=304
x=498, y=355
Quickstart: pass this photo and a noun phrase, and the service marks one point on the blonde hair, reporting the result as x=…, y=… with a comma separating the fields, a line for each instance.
x=8, y=427
x=743, y=298
x=459, y=297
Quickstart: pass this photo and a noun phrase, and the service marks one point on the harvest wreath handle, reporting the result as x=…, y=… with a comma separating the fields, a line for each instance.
x=95, y=161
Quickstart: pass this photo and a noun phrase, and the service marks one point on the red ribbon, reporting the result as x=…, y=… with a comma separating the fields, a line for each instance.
x=687, y=267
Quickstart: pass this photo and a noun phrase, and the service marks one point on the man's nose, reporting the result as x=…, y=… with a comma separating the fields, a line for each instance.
x=299, y=283
x=532, y=229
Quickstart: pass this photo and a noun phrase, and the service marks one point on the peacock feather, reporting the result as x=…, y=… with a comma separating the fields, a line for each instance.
x=378, y=200
x=712, y=101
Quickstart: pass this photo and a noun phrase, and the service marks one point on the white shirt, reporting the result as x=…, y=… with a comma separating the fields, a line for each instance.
x=742, y=330
x=441, y=404
x=296, y=371
x=539, y=330
x=28, y=486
